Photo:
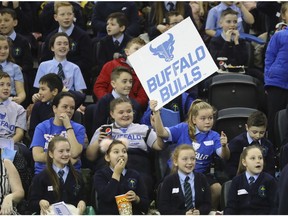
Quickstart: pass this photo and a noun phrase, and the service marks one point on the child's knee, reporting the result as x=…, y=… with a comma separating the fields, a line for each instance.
x=215, y=189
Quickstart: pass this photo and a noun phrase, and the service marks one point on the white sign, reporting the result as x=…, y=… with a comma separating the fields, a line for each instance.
x=172, y=63
x=7, y=143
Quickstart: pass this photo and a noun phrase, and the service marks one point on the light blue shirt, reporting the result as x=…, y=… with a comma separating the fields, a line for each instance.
x=120, y=39
x=250, y=140
x=65, y=169
x=182, y=177
x=248, y=176
x=12, y=36
x=68, y=31
x=15, y=74
x=214, y=14
x=73, y=76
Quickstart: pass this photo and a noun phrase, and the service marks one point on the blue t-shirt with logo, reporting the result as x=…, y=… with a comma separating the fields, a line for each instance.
x=207, y=143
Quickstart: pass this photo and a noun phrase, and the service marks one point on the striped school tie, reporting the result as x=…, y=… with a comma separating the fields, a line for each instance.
x=188, y=194
x=60, y=174
x=60, y=71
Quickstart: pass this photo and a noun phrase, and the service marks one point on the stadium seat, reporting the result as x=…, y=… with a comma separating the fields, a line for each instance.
x=234, y=90
x=224, y=193
x=232, y=121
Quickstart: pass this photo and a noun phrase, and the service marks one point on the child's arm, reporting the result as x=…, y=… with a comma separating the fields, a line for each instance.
x=38, y=154
x=93, y=148
x=156, y=121
x=17, y=193
x=19, y=134
x=225, y=153
x=20, y=91
x=247, y=16
x=81, y=206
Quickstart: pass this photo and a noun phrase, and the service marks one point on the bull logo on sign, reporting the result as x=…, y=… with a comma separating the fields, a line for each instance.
x=165, y=50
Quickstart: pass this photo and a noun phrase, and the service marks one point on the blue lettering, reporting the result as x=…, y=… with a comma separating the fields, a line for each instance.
x=200, y=54
x=183, y=64
x=188, y=82
x=175, y=67
x=191, y=60
x=159, y=82
x=171, y=88
x=164, y=94
x=168, y=73
x=180, y=84
x=151, y=84
x=196, y=73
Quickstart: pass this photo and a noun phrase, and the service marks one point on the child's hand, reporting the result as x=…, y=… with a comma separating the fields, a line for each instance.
x=44, y=206
x=7, y=205
x=131, y=196
x=223, y=139
x=81, y=206
x=65, y=120
x=36, y=97
x=119, y=167
x=16, y=99
x=153, y=104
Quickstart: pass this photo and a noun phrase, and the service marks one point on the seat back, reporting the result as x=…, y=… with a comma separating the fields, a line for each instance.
x=281, y=127
x=233, y=90
x=224, y=193
x=232, y=121
x=170, y=117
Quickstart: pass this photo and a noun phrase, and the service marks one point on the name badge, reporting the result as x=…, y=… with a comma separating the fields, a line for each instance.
x=208, y=143
x=242, y=192
x=50, y=188
x=175, y=190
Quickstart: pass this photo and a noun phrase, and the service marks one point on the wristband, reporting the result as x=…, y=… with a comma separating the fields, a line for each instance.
x=69, y=128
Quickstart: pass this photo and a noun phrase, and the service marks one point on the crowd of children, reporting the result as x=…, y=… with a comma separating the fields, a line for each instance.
x=46, y=71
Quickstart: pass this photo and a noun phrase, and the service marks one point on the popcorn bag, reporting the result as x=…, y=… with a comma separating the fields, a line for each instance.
x=124, y=206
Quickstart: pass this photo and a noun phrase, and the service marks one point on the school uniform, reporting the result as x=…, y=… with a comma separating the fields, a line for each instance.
x=41, y=188
x=73, y=76
x=240, y=142
x=80, y=52
x=102, y=116
x=21, y=53
x=108, y=48
x=255, y=199
x=172, y=198
x=107, y=188
x=15, y=74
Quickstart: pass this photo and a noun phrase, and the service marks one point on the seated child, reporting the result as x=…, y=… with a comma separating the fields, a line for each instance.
x=256, y=128
x=253, y=191
x=59, y=181
x=115, y=179
x=174, y=197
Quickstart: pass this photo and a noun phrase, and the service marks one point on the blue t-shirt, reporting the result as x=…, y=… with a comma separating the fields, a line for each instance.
x=207, y=143
x=44, y=132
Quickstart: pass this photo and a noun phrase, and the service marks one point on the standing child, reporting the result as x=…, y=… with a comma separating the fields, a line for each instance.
x=59, y=181
x=175, y=197
x=115, y=179
x=252, y=192
x=255, y=134
x=197, y=132
x=276, y=77
x=7, y=65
